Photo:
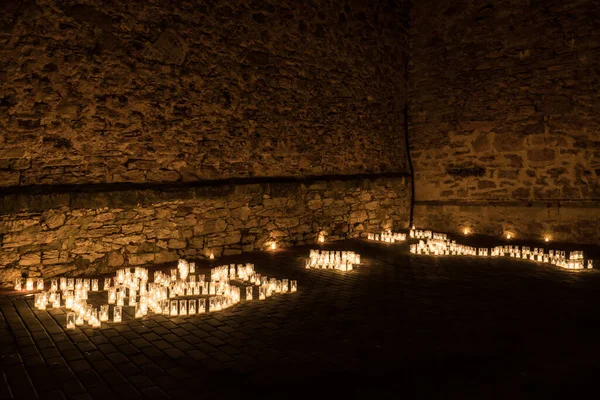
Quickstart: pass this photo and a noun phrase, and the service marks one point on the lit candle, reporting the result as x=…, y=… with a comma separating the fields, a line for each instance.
x=71, y=320
x=173, y=307
x=103, y=315
x=18, y=284
x=117, y=314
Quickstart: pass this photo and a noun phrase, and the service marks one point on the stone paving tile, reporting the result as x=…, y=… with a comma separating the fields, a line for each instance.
x=399, y=324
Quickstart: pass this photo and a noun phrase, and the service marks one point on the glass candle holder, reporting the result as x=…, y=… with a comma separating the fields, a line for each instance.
x=54, y=285
x=79, y=319
x=69, y=298
x=117, y=314
x=18, y=284
x=183, y=307
x=285, y=285
x=94, y=285
x=103, y=314
x=201, y=306
x=107, y=283
x=56, y=301
x=86, y=284
x=192, y=306
x=249, y=292
x=42, y=301
x=132, y=299
x=262, y=293
x=93, y=318
x=121, y=298
x=173, y=308
x=70, y=320
x=29, y=284
x=63, y=283
x=112, y=295
x=293, y=286
x=39, y=284
x=138, y=312
x=71, y=284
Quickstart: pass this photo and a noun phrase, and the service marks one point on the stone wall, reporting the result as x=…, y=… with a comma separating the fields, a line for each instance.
x=504, y=107
x=576, y=223
x=96, y=232
x=503, y=100
x=95, y=91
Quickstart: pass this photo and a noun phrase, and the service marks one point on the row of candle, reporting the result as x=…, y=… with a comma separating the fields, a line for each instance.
x=387, y=237
x=342, y=261
x=554, y=257
x=32, y=284
x=426, y=234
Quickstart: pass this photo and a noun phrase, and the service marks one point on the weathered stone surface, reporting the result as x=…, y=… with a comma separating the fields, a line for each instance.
x=140, y=91
x=534, y=221
x=513, y=80
x=104, y=239
x=55, y=219
x=115, y=259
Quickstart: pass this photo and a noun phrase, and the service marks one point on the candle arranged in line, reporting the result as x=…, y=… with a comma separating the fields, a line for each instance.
x=387, y=237
x=340, y=260
x=439, y=245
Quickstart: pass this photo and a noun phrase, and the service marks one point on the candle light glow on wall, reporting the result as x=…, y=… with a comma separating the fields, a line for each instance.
x=162, y=296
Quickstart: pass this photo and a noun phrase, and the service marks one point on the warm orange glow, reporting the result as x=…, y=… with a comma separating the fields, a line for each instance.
x=546, y=239
x=508, y=236
x=273, y=246
x=321, y=239
x=466, y=231
x=212, y=256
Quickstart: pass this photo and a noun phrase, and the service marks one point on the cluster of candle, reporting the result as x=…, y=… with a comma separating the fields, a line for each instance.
x=439, y=246
x=421, y=234
x=387, y=237
x=340, y=260
x=162, y=296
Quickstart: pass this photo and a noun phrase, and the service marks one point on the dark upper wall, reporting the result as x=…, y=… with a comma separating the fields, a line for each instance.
x=154, y=91
x=503, y=100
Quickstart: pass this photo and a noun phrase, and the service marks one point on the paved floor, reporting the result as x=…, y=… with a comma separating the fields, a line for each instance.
x=399, y=325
